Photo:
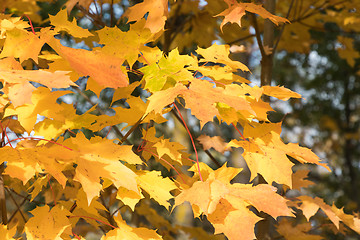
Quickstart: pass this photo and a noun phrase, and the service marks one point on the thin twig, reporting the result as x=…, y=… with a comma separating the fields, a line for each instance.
x=14, y=214
x=283, y=27
x=257, y=34
x=17, y=205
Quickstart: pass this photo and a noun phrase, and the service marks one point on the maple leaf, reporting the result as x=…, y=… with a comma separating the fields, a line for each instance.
x=20, y=90
x=299, y=179
x=7, y=233
x=157, y=13
x=47, y=224
x=300, y=232
x=199, y=92
x=23, y=44
x=224, y=203
x=172, y=149
x=161, y=193
x=280, y=92
x=105, y=69
x=220, y=74
x=83, y=3
x=220, y=54
x=236, y=11
x=100, y=159
x=61, y=23
x=265, y=153
x=57, y=79
x=129, y=198
x=83, y=208
x=215, y=142
x=168, y=70
x=124, y=231
x=127, y=45
x=43, y=103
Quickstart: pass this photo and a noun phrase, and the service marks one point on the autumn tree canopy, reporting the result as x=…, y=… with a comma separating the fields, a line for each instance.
x=91, y=91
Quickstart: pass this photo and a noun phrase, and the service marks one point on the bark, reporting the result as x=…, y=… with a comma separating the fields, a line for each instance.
x=268, y=44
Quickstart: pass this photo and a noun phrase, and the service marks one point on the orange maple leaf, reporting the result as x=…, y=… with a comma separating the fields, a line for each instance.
x=200, y=91
x=236, y=11
x=158, y=12
x=105, y=69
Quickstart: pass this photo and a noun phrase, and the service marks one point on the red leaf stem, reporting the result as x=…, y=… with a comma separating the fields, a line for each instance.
x=192, y=141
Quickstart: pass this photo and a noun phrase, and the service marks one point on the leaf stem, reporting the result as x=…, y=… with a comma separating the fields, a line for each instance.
x=192, y=141
x=239, y=132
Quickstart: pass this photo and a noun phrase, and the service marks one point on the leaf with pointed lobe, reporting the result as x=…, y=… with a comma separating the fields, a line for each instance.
x=236, y=11
x=170, y=68
x=297, y=232
x=47, y=224
x=157, y=13
x=105, y=69
x=220, y=54
x=280, y=92
x=310, y=206
x=299, y=179
x=61, y=23
x=200, y=97
x=224, y=203
x=215, y=142
x=100, y=159
x=7, y=233
x=160, y=193
x=23, y=44
x=124, y=231
x=125, y=45
x=43, y=102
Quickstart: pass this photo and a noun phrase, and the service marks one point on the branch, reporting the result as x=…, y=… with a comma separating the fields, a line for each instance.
x=257, y=34
x=17, y=206
x=283, y=27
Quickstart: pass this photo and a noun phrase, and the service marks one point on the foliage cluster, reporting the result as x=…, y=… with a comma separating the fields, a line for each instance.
x=73, y=181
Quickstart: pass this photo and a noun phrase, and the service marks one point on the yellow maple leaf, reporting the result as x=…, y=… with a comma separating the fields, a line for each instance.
x=160, y=192
x=47, y=224
x=43, y=102
x=220, y=54
x=127, y=45
x=61, y=23
x=23, y=44
x=310, y=206
x=124, y=231
x=226, y=203
x=280, y=92
x=95, y=162
x=129, y=198
x=6, y=233
x=299, y=179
